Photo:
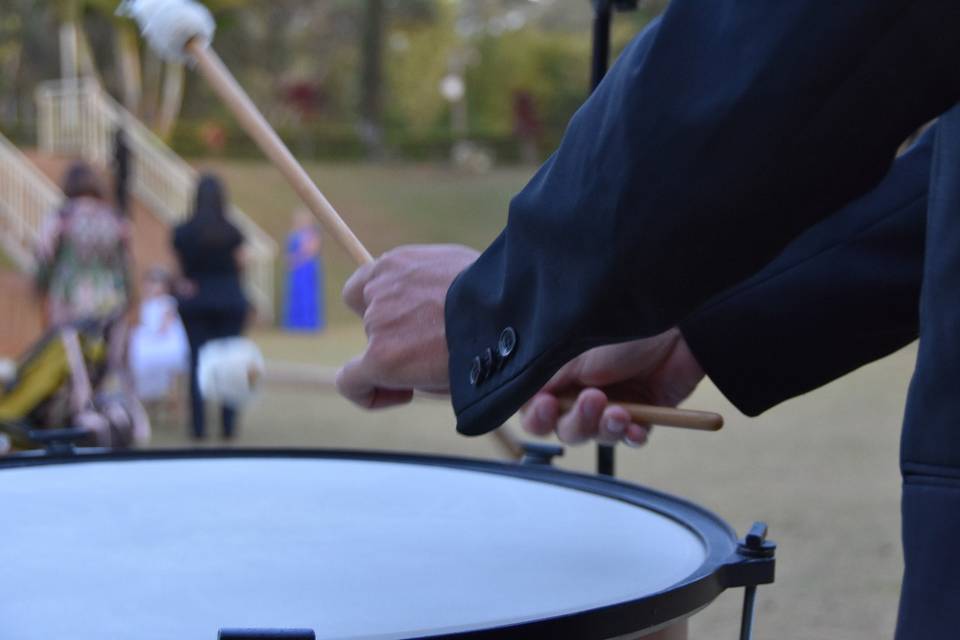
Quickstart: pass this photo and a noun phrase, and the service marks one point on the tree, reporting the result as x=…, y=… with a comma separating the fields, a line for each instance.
x=371, y=78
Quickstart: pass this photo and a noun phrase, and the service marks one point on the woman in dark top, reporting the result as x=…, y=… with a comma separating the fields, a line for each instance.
x=212, y=302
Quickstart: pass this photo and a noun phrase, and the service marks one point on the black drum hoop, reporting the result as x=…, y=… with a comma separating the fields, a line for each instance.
x=722, y=568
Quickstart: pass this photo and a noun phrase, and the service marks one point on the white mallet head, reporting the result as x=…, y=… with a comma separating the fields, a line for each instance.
x=229, y=371
x=168, y=25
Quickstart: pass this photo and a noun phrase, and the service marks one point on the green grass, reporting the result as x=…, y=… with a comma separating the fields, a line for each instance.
x=386, y=206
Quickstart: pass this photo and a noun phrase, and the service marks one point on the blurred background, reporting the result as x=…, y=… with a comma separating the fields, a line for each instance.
x=419, y=119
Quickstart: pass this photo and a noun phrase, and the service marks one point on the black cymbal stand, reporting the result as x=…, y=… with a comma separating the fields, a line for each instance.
x=602, y=18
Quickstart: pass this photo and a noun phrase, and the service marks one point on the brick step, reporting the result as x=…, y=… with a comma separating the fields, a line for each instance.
x=21, y=322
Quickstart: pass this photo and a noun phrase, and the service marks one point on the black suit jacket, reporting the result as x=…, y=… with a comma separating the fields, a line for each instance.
x=722, y=132
x=843, y=294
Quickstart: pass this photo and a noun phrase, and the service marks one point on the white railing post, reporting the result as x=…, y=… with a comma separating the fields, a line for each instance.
x=26, y=197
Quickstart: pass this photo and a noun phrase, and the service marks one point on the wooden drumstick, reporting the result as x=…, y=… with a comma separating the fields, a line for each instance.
x=310, y=377
x=253, y=122
x=662, y=416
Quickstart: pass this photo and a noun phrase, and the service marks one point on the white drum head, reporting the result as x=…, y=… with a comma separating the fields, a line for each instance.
x=177, y=549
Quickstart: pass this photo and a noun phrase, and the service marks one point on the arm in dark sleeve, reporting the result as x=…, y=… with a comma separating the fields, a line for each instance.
x=721, y=133
x=843, y=294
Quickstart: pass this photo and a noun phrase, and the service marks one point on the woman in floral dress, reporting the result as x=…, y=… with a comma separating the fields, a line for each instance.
x=83, y=265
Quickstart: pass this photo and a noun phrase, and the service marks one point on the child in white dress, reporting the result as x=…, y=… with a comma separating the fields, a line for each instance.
x=159, y=351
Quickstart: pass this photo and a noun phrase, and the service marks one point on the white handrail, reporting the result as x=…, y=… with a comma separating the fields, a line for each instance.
x=27, y=196
x=76, y=117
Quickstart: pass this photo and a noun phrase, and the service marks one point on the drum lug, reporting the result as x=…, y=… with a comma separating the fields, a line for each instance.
x=754, y=560
x=540, y=453
x=58, y=441
x=755, y=543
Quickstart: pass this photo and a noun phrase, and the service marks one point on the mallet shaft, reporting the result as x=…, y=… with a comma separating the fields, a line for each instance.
x=253, y=122
x=311, y=377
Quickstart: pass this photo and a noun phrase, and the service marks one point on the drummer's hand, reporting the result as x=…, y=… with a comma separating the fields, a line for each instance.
x=401, y=297
x=660, y=370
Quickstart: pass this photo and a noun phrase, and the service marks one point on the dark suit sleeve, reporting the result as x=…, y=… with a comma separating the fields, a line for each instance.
x=843, y=294
x=720, y=134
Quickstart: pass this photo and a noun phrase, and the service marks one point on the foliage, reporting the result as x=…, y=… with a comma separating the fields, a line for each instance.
x=312, y=50
x=415, y=67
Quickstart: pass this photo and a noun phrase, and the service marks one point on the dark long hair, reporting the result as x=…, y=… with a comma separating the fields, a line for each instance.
x=82, y=181
x=209, y=220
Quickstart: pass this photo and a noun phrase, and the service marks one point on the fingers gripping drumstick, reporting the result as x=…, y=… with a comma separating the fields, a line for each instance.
x=307, y=376
x=311, y=377
x=232, y=369
x=182, y=30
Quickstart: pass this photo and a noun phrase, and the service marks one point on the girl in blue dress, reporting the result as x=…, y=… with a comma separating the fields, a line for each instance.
x=304, y=310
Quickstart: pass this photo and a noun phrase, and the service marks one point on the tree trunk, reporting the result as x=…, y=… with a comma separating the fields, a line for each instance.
x=371, y=79
x=150, y=97
x=11, y=69
x=69, y=53
x=86, y=62
x=171, y=100
x=128, y=59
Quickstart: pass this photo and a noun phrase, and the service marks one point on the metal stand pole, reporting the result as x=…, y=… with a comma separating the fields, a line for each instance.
x=761, y=553
x=746, y=620
x=602, y=17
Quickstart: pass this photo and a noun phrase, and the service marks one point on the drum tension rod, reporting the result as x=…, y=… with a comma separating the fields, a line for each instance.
x=755, y=546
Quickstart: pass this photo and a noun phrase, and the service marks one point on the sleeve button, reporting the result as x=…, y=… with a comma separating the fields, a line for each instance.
x=507, y=342
x=476, y=371
x=486, y=362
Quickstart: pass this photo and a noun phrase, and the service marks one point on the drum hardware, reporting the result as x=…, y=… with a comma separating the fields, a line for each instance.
x=755, y=545
x=58, y=442
x=202, y=511
x=602, y=17
x=266, y=634
x=540, y=453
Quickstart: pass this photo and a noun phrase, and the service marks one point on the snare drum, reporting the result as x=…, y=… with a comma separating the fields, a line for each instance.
x=177, y=545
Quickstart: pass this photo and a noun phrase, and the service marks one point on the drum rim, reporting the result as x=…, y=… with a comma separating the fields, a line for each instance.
x=656, y=610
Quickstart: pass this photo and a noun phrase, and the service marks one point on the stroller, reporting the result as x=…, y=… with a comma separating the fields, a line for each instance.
x=72, y=387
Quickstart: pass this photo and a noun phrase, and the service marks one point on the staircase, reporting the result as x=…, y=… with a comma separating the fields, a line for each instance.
x=26, y=197
x=78, y=119
x=28, y=194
